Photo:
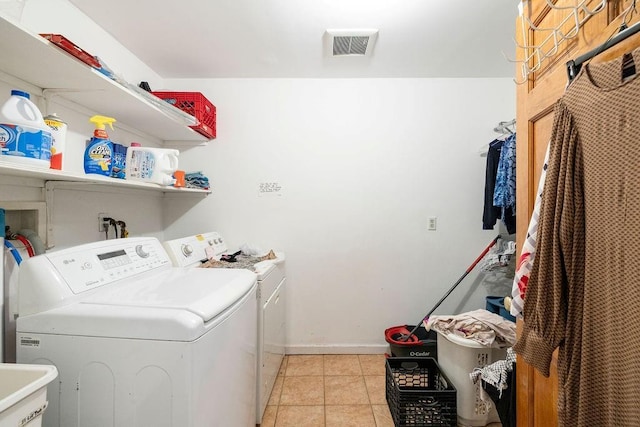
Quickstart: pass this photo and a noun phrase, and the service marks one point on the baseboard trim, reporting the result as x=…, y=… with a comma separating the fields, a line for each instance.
x=337, y=349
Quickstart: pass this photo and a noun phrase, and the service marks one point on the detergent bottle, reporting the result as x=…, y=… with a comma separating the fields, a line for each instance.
x=58, y=130
x=150, y=164
x=119, y=159
x=99, y=152
x=24, y=136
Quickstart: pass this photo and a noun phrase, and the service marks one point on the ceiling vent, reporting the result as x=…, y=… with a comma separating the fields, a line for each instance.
x=351, y=42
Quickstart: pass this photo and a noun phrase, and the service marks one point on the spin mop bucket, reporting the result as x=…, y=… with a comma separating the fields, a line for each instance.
x=415, y=341
x=420, y=344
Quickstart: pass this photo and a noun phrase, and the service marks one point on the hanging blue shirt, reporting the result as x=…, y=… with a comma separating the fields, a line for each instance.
x=504, y=195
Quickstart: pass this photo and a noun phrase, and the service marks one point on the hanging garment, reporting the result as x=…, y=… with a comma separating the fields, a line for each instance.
x=495, y=373
x=499, y=383
x=581, y=293
x=491, y=213
x=504, y=195
x=528, y=253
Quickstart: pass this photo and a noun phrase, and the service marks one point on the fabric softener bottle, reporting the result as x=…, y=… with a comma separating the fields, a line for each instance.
x=99, y=152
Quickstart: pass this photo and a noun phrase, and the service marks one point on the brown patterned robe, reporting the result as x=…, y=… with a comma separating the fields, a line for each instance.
x=584, y=291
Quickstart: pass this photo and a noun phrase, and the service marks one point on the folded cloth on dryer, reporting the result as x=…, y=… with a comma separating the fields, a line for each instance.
x=482, y=326
x=270, y=255
x=241, y=261
x=251, y=250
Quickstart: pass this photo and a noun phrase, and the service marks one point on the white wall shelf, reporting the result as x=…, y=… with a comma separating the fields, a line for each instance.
x=31, y=58
x=20, y=170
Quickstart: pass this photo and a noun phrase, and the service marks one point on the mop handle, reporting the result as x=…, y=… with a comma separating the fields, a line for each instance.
x=493, y=242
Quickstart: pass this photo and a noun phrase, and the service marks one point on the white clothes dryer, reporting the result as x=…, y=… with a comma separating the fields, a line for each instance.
x=192, y=251
x=138, y=342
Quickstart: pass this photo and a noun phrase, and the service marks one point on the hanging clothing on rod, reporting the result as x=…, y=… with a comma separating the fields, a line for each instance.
x=574, y=66
x=498, y=177
x=585, y=260
x=491, y=213
x=504, y=194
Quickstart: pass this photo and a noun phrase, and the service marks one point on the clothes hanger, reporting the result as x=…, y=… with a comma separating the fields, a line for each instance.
x=574, y=65
x=504, y=128
x=567, y=29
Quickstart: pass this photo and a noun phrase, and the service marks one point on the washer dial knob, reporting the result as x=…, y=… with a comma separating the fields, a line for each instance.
x=141, y=251
x=187, y=250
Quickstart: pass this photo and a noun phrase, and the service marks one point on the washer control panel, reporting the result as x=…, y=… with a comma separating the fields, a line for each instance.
x=100, y=264
x=192, y=250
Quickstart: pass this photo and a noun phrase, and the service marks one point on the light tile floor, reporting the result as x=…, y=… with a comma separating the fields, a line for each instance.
x=330, y=391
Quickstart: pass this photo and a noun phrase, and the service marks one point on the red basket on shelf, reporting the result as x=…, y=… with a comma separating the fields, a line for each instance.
x=198, y=106
x=69, y=46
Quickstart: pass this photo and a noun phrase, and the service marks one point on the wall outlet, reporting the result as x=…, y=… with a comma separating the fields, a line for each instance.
x=102, y=224
x=432, y=225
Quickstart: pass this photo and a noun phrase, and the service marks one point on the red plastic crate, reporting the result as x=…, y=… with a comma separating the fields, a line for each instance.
x=198, y=106
x=69, y=46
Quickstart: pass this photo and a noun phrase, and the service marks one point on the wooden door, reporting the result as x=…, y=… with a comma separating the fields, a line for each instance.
x=536, y=395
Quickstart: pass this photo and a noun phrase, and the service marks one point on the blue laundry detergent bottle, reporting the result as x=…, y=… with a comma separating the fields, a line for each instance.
x=24, y=136
x=99, y=153
x=119, y=161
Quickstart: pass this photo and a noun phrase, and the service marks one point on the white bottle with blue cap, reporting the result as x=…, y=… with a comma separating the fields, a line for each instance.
x=24, y=136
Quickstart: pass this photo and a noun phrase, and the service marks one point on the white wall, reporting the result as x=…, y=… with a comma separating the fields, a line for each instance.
x=62, y=17
x=362, y=164
x=74, y=211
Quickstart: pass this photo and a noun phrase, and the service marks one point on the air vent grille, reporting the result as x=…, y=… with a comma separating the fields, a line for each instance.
x=348, y=45
x=350, y=42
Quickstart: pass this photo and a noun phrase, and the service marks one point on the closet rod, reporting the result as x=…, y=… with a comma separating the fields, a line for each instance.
x=573, y=66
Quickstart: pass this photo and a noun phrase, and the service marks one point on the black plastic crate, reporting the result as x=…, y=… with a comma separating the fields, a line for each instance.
x=419, y=394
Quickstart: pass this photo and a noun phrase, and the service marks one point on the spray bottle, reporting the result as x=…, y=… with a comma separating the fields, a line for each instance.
x=99, y=152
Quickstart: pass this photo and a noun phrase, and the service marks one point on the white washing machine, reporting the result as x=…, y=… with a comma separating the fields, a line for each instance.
x=191, y=251
x=138, y=342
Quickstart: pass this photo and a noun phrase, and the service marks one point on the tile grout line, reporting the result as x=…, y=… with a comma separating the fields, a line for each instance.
x=284, y=374
x=367, y=390
x=324, y=394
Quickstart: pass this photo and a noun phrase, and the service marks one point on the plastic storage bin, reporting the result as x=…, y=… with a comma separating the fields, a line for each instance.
x=23, y=393
x=496, y=305
x=458, y=357
x=418, y=393
x=198, y=106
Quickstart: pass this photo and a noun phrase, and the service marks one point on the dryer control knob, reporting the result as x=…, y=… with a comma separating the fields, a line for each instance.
x=187, y=250
x=141, y=252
